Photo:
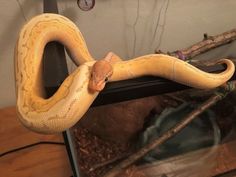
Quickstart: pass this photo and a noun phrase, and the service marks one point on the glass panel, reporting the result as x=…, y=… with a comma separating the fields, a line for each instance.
x=108, y=134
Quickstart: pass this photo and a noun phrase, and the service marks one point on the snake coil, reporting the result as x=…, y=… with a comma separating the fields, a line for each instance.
x=73, y=98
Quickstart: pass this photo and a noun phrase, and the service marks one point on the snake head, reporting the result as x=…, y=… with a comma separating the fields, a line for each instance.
x=101, y=71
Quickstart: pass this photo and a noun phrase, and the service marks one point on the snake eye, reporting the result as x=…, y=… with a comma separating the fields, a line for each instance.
x=106, y=79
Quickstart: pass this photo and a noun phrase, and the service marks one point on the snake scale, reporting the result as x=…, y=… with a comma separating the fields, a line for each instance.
x=78, y=91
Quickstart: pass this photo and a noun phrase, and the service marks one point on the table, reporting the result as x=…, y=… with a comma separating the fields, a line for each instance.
x=41, y=160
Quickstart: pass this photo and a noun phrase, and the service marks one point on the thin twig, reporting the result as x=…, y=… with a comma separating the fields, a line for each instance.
x=163, y=26
x=134, y=27
x=21, y=9
x=170, y=133
x=157, y=23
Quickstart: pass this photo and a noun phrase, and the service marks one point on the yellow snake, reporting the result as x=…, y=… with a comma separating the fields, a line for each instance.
x=74, y=97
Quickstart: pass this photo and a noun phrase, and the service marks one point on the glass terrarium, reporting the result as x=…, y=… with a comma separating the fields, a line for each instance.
x=128, y=115
x=108, y=134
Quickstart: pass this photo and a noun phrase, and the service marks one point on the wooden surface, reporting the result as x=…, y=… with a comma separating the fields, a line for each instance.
x=44, y=160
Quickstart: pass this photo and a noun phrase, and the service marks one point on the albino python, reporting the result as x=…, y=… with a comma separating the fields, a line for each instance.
x=81, y=87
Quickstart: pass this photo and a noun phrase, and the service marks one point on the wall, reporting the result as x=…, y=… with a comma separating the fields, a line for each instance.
x=127, y=27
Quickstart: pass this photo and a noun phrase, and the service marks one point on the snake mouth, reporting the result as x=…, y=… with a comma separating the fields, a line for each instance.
x=96, y=87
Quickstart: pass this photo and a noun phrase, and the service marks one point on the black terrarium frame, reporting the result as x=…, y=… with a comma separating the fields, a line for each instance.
x=55, y=71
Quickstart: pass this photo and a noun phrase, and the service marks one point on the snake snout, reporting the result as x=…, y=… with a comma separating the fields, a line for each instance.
x=96, y=87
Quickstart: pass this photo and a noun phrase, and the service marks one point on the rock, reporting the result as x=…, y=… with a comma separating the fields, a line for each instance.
x=120, y=122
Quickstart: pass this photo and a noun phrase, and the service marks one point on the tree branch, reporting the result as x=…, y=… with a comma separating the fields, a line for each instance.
x=208, y=43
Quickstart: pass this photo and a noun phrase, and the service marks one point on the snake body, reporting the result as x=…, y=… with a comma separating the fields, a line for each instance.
x=74, y=97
